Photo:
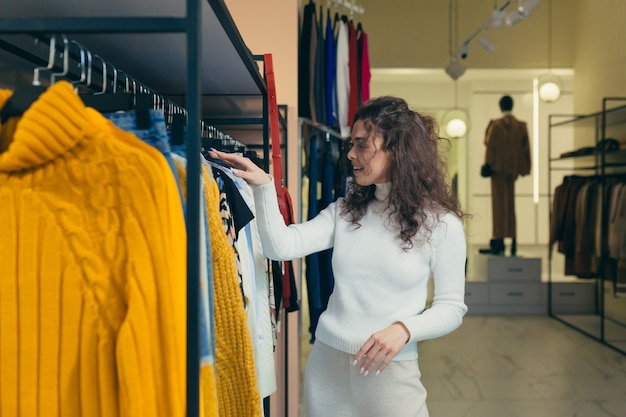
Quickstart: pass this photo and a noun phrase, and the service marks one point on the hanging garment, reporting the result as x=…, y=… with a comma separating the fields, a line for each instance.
x=331, y=69
x=93, y=251
x=364, y=67
x=238, y=392
x=319, y=89
x=239, y=202
x=353, y=70
x=307, y=36
x=208, y=383
x=586, y=214
x=266, y=373
x=570, y=224
x=315, y=142
x=342, y=79
x=330, y=157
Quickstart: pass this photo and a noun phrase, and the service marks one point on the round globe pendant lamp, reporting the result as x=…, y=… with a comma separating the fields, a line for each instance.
x=549, y=85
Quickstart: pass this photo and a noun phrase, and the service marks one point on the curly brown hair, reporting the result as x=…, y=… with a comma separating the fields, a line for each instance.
x=417, y=170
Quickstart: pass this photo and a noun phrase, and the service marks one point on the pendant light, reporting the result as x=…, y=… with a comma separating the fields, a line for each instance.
x=549, y=84
x=454, y=121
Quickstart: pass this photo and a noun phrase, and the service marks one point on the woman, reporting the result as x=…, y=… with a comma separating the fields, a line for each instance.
x=398, y=225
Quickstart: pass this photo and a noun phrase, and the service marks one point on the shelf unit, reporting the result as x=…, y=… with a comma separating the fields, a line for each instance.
x=187, y=50
x=588, y=302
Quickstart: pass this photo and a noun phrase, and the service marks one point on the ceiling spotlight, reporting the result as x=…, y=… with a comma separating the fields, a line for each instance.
x=522, y=11
x=486, y=43
x=496, y=20
x=464, y=50
x=526, y=7
x=454, y=69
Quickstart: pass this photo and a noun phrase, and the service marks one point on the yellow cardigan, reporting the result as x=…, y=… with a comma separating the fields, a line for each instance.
x=92, y=267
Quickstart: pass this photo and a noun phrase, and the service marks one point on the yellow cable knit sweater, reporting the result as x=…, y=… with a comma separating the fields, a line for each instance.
x=92, y=267
x=237, y=389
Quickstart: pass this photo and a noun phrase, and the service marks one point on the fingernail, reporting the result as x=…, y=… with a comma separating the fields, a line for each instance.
x=362, y=370
x=235, y=171
x=378, y=372
x=366, y=373
x=354, y=362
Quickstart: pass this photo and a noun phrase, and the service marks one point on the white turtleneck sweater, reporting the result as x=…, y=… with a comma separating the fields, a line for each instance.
x=377, y=283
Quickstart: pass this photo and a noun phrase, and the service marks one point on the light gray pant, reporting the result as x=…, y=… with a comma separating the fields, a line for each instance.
x=335, y=388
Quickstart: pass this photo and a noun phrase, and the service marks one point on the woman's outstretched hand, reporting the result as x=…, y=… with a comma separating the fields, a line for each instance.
x=242, y=167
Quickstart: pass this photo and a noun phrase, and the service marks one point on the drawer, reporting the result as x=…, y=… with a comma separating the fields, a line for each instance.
x=509, y=269
x=517, y=293
x=476, y=293
x=574, y=298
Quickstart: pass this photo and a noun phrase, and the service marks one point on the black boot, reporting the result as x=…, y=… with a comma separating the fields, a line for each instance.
x=513, y=247
x=496, y=247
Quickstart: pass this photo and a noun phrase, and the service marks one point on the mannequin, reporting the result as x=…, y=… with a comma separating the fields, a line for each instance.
x=508, y=156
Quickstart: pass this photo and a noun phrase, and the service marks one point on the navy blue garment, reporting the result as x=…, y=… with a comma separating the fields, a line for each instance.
x=331, y=70
x=312, y=261
x=307, y=38
x=330, y=157
x=320, y=71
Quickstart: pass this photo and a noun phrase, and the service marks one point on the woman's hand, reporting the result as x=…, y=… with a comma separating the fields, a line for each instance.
x=242, y=167
x=380, y=348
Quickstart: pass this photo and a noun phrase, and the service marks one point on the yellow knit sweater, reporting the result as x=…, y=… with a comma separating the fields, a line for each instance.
x=237, y=388
x=92, y=268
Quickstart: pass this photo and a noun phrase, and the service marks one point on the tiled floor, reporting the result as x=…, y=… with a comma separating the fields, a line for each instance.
x=520, y=366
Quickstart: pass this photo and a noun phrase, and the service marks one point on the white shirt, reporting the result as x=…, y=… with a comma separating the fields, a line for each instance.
x=342, y=79
x=377, y=283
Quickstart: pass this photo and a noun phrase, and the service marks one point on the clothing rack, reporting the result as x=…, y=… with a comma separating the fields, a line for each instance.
x=606, y=322
x=350, y=6
x=318, y=126
x=211, y=44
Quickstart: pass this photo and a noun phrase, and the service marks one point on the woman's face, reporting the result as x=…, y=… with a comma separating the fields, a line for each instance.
x=370, y=163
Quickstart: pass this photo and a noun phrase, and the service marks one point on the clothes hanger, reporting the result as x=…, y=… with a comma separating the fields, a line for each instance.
x=23, y=97
x=178, y=125
x=114, y=101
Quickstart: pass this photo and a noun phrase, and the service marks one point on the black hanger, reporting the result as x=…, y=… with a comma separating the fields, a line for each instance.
x=344, y=18
x=179, y=122
x=20, y=101
x=114, y=102
x=24, y=96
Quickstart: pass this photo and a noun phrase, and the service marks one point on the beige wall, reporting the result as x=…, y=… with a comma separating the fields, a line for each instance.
x=415, y=33
x=272, y=27
x=600, y=58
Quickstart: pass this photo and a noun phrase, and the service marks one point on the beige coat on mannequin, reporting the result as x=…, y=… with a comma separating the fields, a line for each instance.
x=508, y=153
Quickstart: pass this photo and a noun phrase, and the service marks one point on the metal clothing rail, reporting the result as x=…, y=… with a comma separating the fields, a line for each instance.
x=87, y=19
x=320, y=127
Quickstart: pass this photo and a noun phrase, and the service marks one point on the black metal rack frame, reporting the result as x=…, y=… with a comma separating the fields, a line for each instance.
x=597, y=164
